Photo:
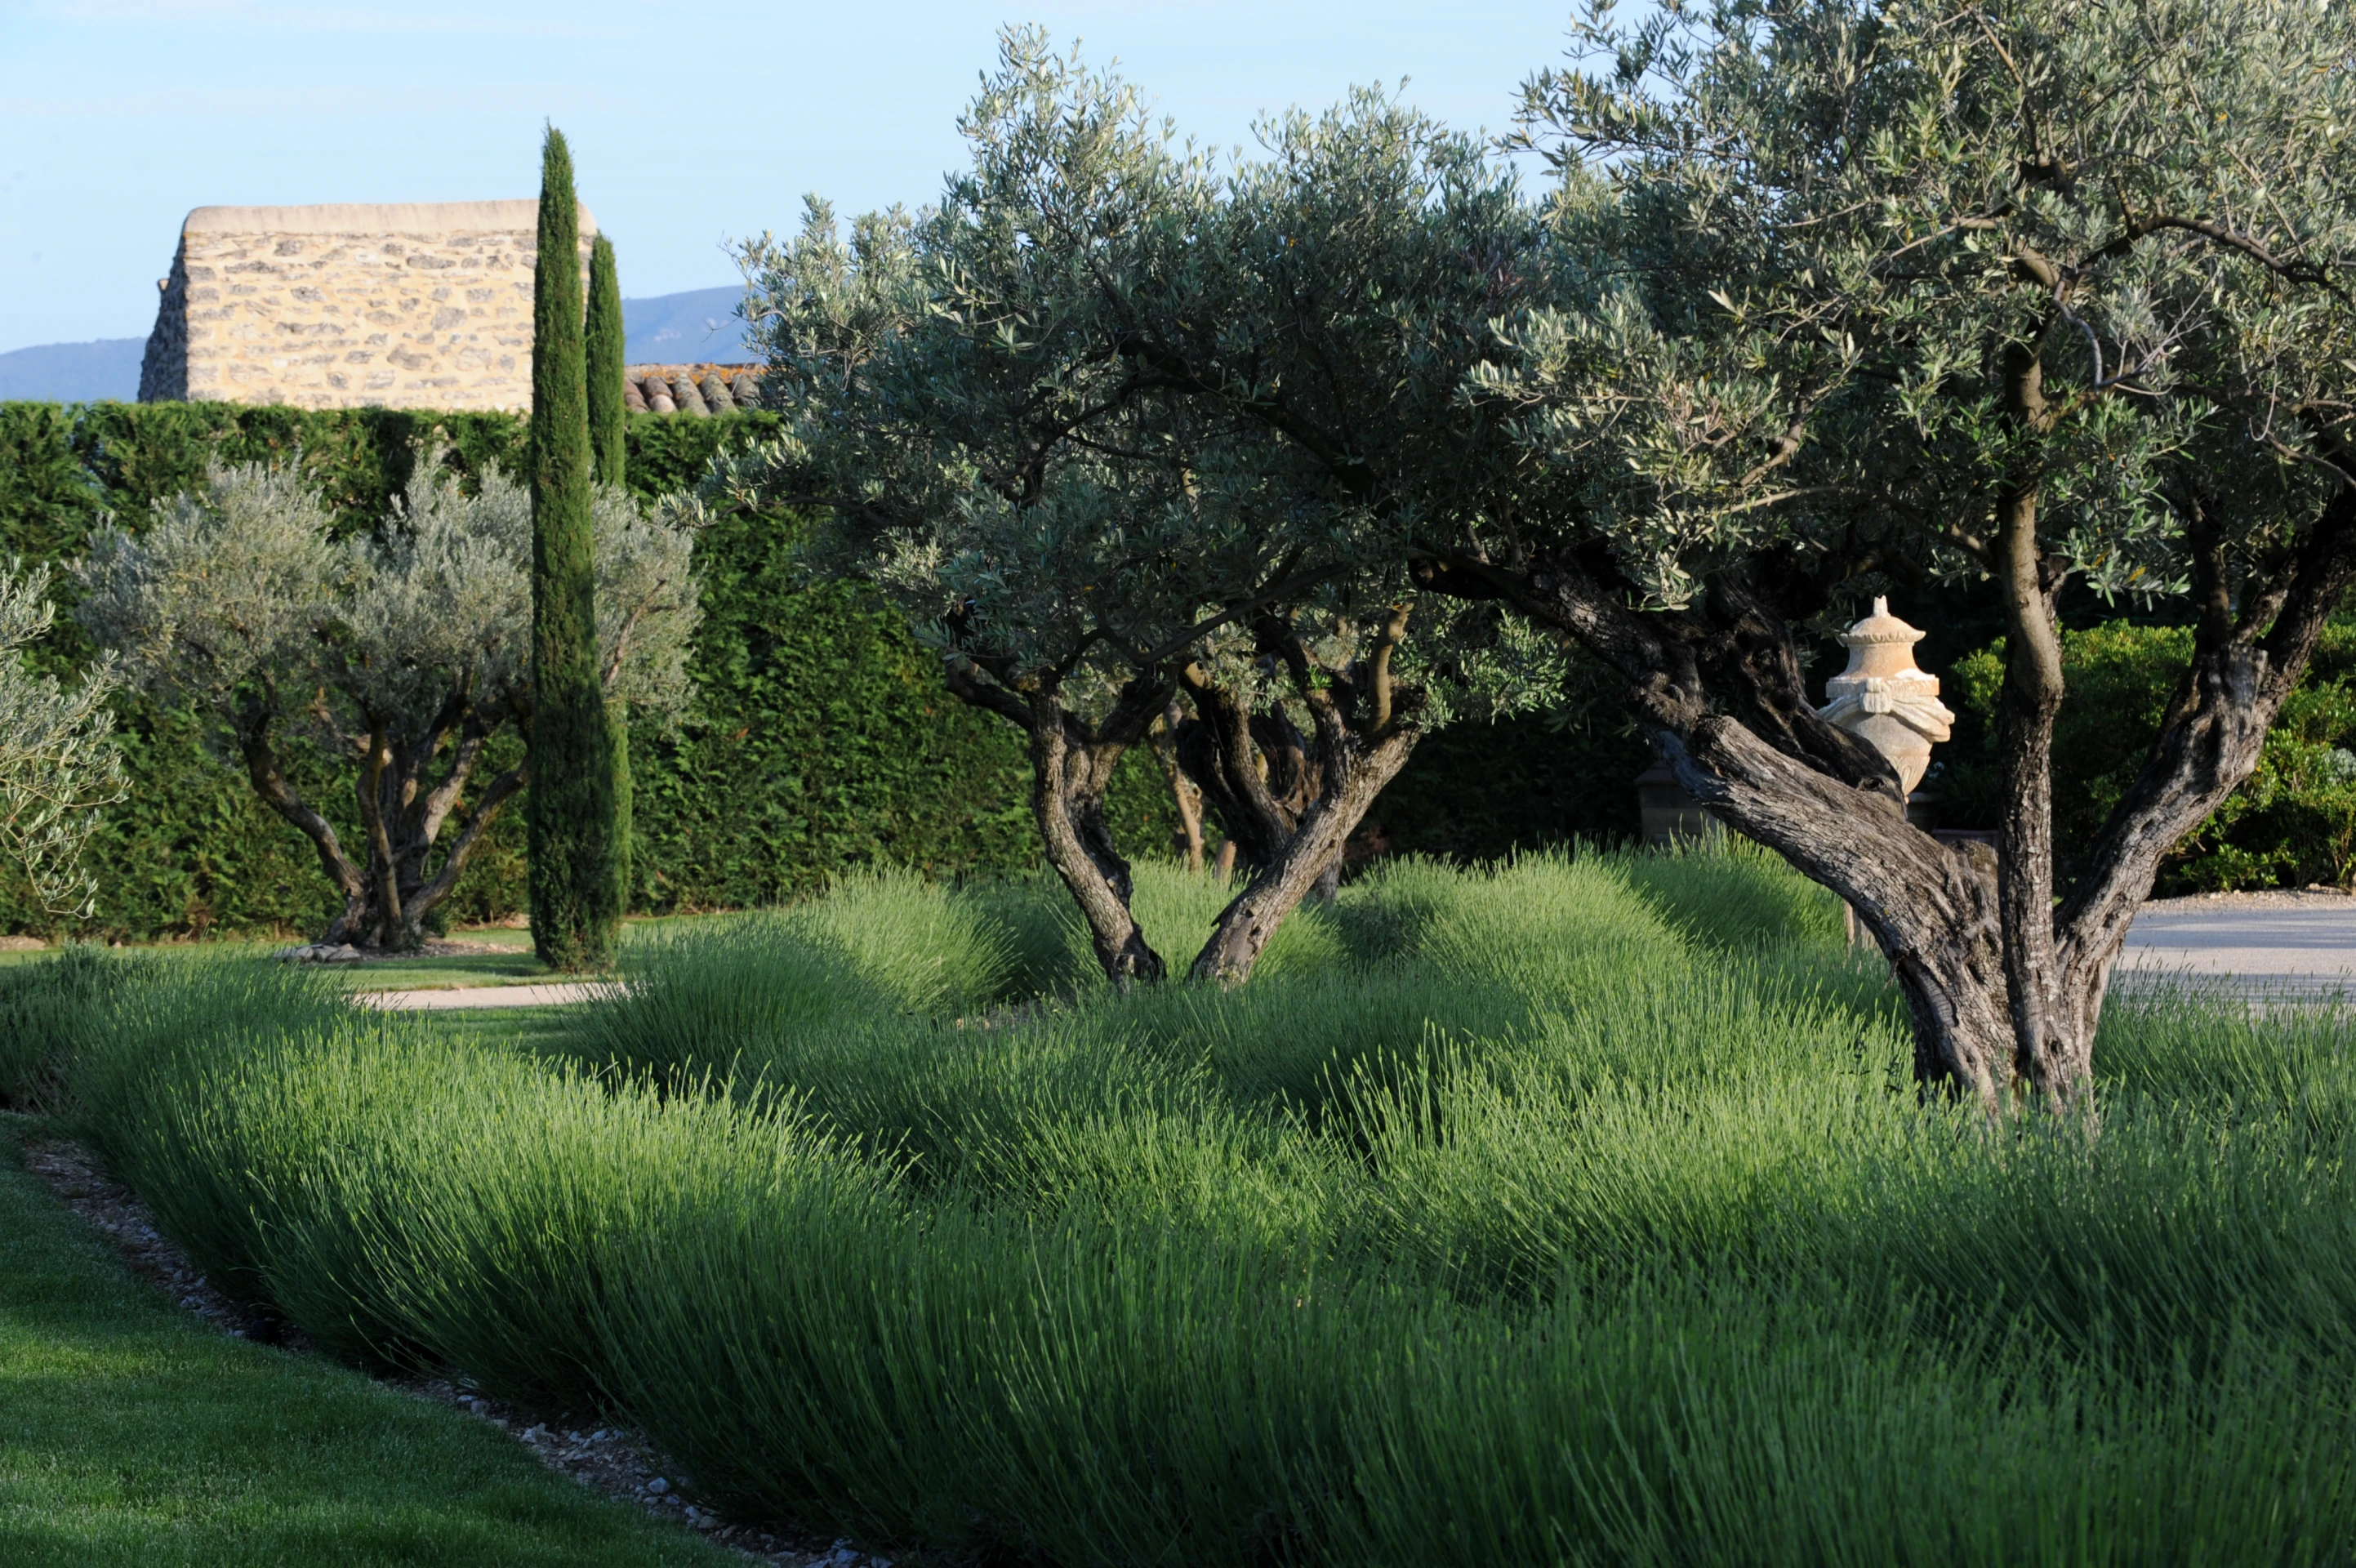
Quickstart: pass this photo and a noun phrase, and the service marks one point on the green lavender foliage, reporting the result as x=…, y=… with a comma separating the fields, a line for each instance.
x=1576, y=1210
x=575, y=891
x=40, y=1005
x=721, y=994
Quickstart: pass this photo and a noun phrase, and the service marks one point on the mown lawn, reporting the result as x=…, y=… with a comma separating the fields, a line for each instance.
x=130, y=1434
x=504, y=957
x=542, y=1030
x=492, y=966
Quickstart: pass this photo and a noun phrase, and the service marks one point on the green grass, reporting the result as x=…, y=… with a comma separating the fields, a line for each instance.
x=500, y=966
x=496, y=964
x=1577, y=1210
x=130, y=1435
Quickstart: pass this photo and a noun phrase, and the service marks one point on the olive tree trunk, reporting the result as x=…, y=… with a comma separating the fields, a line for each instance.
x=1255, y=771
x=1355, y=771
x=1072, y=764
x=1295, y=805
x=1184, y=794
x=2005, y=975
x=395, y=887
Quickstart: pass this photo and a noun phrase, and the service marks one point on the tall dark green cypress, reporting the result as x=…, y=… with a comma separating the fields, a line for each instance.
x=606, y=429
x=573, y=886
x=604, y=352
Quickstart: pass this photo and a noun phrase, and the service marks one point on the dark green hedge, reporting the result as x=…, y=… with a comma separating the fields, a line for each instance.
x=2291, y=824
x=819, y=739
x=1478, y=792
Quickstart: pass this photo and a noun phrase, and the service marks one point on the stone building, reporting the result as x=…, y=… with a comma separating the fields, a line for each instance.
x=416, y=306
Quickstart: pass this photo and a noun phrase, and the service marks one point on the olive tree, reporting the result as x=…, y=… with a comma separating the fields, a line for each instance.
x=1832, y=298
x=1331, y=304
x=1079, y=532
x=401, y=651
x=1858, y=295
x=59, y=766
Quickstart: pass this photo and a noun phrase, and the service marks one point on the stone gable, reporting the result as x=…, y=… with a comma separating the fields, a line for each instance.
x=399, y=306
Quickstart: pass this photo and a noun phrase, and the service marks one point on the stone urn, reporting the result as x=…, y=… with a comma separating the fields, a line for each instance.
x=1883, y=699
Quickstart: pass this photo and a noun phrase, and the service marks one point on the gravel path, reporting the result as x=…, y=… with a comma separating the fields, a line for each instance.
x=553, y=993
x=2293, y=946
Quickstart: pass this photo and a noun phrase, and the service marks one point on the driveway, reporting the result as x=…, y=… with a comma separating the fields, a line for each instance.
x=2274, y=944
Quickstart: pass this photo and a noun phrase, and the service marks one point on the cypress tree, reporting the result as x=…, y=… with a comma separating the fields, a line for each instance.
x=605, y=355
x=573, y=886
x=606, y=429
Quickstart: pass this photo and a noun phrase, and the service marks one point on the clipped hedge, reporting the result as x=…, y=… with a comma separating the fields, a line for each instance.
x=820, y=739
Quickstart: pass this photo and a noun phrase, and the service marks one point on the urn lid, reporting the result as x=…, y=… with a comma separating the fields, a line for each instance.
x=1880, y=627
x=1881, y=647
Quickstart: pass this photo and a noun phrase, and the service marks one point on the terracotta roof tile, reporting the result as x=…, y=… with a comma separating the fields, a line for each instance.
x=701, y=390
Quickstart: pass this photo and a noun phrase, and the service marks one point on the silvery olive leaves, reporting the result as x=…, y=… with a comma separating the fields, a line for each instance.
x=401, y=650
x=59, y=764
x=1019, y=408
x=1808, y=236
x=248, y=593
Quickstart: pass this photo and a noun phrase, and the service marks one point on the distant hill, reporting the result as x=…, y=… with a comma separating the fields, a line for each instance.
x=690, y=327
x=669, y=328
x=73, y=373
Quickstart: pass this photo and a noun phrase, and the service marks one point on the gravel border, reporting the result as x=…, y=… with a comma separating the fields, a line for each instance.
x=610, y=1460
x=532, y=994
x=2269, y=898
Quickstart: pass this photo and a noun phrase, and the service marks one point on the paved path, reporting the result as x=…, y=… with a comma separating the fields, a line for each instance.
x=2287, y=945
x=555, y=994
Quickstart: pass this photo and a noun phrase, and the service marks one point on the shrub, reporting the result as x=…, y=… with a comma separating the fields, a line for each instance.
x=42, y=1004
x=726, y=996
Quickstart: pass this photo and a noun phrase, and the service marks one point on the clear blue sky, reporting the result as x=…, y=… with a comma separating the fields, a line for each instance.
x=691, y=124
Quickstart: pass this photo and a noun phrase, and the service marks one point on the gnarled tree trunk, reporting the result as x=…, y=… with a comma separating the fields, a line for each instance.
x=390, y=894
x=1070, y=770
x=1184, y=794
x=2004, y=983
x=1934, y=910
x=1355, y=771
x=1256, y=772
x=1072, y=764
x=1364, y=737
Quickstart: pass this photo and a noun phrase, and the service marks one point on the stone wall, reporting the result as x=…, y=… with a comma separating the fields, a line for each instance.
x=421, y=306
